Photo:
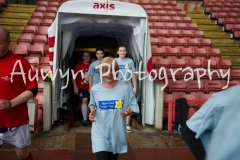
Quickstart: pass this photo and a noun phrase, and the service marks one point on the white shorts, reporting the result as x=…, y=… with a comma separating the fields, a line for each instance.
x=18, y=137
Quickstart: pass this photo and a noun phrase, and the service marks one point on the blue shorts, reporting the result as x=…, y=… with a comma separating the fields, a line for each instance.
x=82, y=93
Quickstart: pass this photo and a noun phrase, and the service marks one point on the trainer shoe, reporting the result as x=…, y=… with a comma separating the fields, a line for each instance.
x=85, y=122
x=128, y=129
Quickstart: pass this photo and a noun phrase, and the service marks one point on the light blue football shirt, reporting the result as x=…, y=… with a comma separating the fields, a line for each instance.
x=217, y=124
x=126, y=66
x=93, y=71
x=109, y=131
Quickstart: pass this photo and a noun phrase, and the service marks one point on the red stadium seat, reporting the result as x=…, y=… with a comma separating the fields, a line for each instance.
x=45, y=61
x=224, y=64
x=37, y=15
x=29, y=29
x=25, y=38
x=33, y=61
x=176, y=19
x=152, y=32
x=181, y=26
x=150, y=12
x=196, y=86
x=157, y=25
x=161, y=13
x=179, y=85
x=178, y=63
x=174, y=33
x=186, y=20
x=186, y=33
x=169, y=25
x=181, y=13
x=214, y=85
x=194, y=63
x=20, y=50
x=192, y=42
x=163, y=63
x=52, y=9
x=200, y=52
x=161, y=33
x=192, y=26
x=153, y=18
x=40, y=39
x=165, y=41
x=154, y=41
x=165, y=19
x=155, y=59
x=172, y=52
x=198, y=34
x=48, y=15
x=53, y=4
x=158, y=51
x=163, y=3
x=42, y=3
x=36, y=51
x=157, y=7
x=186, y=52
x=42, y=30
x=213, y=52
x=213, y=63
x=40, y=9
x=147, y=7
x=153, y=2
x=235, y=74
x=166, y=7
x=176, y=8
x=46, y=22
x=34, y=21
x=171, y=13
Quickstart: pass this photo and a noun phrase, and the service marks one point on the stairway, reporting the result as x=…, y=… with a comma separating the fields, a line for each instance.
x=229, y=48
x=14, y=17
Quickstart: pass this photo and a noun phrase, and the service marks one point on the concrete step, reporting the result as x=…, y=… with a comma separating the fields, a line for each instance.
x=28, y=10
x=13, y=29
x=197, y=15
x=213, y=34
x=232, y=50
x=225, y=45
x=21, y=5
x=14, y=17
x=13, y=20
x=202, y=21
x=219, y=41
x=17, y=14
x=210, y=27
x=195, y=12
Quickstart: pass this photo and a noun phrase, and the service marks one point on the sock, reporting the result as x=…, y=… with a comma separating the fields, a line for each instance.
x=29, y=157
x=84, y=111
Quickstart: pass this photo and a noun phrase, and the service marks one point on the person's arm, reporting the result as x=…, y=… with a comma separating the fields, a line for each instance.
x=90, y=81
x=134, y=82
x=23, y=97
x=92, y=114
x=75, y=88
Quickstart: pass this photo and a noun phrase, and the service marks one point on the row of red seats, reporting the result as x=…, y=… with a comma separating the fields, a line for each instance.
x=170, y=32
x=222, y=1
x=49, y=3
x=159, y=7
x=39, y=22
x=215, y=74
x=185, y=42
x=169, y=19
x=210, y=7
x=172, y=25
x=152, y=12
x=232, y=14
x=152, y=2
x=45, y=15
x=191, y=52
x=170, y=62
x=204, y=86
x=46, y=9
x=32, y=50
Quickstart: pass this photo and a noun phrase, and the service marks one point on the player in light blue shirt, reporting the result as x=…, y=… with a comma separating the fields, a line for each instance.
x=110, y=102
x=126, y=68
x=217, y=125
x=93, y=71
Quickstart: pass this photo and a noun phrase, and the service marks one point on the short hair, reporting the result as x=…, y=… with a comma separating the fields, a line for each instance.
x=110, y=61
x=6, y=32
x=120, y=47
x=99, y=49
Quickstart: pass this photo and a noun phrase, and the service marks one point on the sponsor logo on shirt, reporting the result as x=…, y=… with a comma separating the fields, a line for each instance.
x=123, y=66
x=110, y=104
x=95, y=70
x=6, y=78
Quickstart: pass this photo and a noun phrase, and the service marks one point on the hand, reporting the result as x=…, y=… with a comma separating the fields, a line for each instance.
x=92, y=115
x=4, y=104
x=75, y=90
x=127, y=112
x=134, y=90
